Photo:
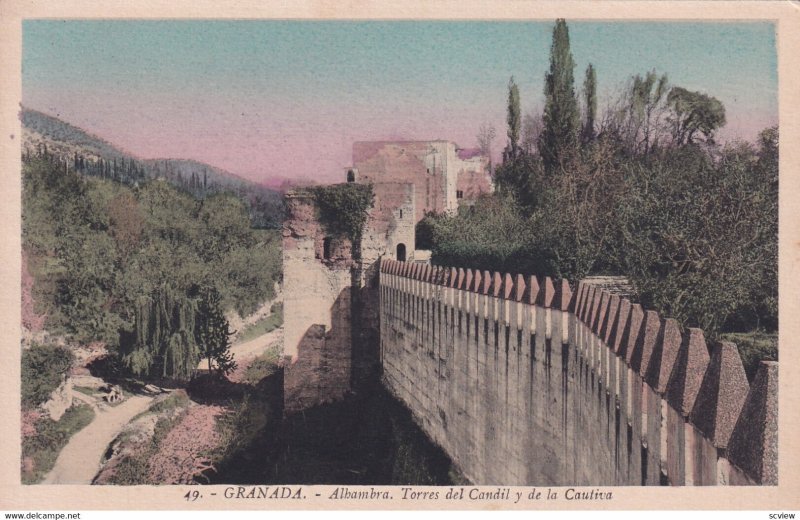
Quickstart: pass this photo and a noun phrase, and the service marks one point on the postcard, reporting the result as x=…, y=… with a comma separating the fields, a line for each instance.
x=484, y=255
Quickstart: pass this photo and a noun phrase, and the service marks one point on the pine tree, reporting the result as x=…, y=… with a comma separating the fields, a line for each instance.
x=212, y=332
x=561, y=118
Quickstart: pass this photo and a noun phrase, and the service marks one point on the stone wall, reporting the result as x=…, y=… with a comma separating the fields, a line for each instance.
x=317, y=309
x=331, y=304
x=524, y=382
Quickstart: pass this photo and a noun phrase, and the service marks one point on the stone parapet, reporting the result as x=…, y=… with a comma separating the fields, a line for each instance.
x=524, y=380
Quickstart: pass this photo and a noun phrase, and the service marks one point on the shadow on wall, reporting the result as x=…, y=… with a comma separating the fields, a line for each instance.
x=321, y=372
x=366, y=330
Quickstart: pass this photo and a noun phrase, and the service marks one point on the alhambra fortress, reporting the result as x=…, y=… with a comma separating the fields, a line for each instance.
x=522, y=380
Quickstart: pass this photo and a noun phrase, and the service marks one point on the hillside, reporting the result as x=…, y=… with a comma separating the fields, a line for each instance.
x=92, y=155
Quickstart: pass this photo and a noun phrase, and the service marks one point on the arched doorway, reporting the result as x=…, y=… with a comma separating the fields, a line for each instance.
x=401, y=252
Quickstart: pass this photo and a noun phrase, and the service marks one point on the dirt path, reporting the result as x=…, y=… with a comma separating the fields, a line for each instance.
x=256, y=346
x=79, y=461
x=249, y=350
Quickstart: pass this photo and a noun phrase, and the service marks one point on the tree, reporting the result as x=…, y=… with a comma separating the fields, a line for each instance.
x=637, y=120
x=693, y=113
x=531, y=129
x=561, y=117
x=514, y=119
x=486, y=134
x=590, y=96
x=212, y=332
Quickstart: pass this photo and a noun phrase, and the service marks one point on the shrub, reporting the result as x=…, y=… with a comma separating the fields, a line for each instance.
x=43, y=369
x=51, y=437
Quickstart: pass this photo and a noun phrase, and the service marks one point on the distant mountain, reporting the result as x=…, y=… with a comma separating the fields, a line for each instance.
x=95, y=156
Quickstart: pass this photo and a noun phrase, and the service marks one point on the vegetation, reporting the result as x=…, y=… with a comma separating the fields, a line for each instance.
x=175, y=400
x=51, y=436
x=264, y=325
x=263, y=366
x=93, y=156
x=645, y=192
x=343, y=208
x=561, y=117
x=44, y=368
x=754, y=347
x=130, y=265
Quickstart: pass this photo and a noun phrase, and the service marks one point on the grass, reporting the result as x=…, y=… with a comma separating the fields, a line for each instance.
x=263, y=366
x=754, y=347
x=135, y=470
x=85, y=390
x=51, y=437
x=264, y=325
x=176, y=399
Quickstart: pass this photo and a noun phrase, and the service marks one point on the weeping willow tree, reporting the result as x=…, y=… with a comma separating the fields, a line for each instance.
x=174, y=331
x=164, y=340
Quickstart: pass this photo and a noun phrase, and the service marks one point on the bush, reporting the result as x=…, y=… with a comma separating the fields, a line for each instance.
x=51, y=437
x=263, y=326
x=43, y=370
x=263, y=366
x=754, y=347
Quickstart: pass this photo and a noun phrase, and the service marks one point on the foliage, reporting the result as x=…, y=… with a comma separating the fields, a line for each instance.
x=99, y=250
x=693, y=227
x=44, y=368
x=343, y=208
x=521, y=178
x=92, y=156
x=163, y=341
x=50, y=438
x=212, y=334
x=754, y=347
x=514, y=119
x=638, y=122
x=263, y=326
x=240, y=427
x=561, y=117
x=134, y=469
x=492, y=234
x=175, y=400
x=698, y=238
x=693, y=113
x=590, y=97
x=486, y=134
x=263, y=366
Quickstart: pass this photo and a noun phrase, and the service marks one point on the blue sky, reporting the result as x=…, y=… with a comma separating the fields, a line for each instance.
x=287, y=98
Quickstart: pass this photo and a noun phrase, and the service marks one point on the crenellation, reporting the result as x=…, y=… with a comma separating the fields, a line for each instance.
x=609, y=319
x=599, y=316
x=512, y=404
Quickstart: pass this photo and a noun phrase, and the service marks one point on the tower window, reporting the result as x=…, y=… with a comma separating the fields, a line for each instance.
x=351, y=176
x=459, y=194
x=401, y=252
x=401, y=213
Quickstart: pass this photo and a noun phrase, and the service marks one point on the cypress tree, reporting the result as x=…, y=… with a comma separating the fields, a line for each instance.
x=590, y=93
x=561, y=118
x=514, y=119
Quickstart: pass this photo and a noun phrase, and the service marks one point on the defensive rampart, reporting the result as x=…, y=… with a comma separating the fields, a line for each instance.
x=526, y=382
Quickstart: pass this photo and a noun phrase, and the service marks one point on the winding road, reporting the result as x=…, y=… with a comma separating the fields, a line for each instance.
x=80, y=459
